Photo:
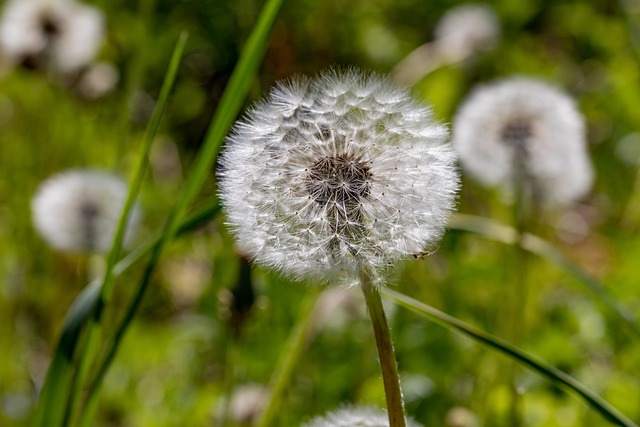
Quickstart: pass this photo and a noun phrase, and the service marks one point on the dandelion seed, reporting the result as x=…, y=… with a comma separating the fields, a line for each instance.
x=467, y=29
x=355, y=416
x=64, y=33
x=78, y=211
x=340, y=174
x=523, y=126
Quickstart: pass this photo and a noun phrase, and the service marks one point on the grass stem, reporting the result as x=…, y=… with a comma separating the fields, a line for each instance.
x=290, y=356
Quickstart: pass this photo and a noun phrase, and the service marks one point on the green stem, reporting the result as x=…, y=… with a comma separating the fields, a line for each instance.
x=386, y=354
x=89, y=347
x=560, y=378
x=535, y=245
x=525, y=193
x=289, y=358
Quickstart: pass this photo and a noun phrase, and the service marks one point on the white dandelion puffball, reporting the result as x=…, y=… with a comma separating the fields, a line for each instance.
x=355, y=416
x=337, y=175
x=64, y=32
x=518, y=126
x=78, y=211
x=468, y=28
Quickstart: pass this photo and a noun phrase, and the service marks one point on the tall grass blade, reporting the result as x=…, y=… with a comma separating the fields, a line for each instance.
x=66, y=380
x=89, y=346
x=227, y=110
x=501, y=233
x=555, y=375
x=53, y=396
x=55, y=391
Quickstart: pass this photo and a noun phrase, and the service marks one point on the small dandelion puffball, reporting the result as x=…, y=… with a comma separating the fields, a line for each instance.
x=66, y=33
x=355, y=416
x=468, y=28
x=78, y=211
x=98, y=80
x=342, y=174
x=525, y=126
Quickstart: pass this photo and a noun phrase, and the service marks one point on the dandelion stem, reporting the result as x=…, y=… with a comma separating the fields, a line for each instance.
x=526, y=195
x=388, y=365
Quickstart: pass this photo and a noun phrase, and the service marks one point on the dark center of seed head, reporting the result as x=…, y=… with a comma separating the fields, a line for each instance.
x=49, y=25
x=517, y=132
x=338, y=179
x=89, y=213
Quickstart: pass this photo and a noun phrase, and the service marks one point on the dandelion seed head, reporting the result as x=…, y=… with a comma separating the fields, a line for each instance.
x=338, y=174
x=79, y=210
x=468, y=28
x=519, y=115
x=355, y=416
x=64, y=32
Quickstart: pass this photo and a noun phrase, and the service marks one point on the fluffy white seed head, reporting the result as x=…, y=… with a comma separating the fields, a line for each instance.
x=467, y=29
x=64, y=33
x=335, y=175
x=355, y=416
x=518, y=124
x=79, y=210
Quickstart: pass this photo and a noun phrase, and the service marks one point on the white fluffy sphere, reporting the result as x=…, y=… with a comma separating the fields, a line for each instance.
x=78, y=211
x=532, y=118
x=355, y=416
x=337, y=175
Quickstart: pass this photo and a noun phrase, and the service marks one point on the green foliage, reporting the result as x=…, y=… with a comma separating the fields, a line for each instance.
x=209, y=324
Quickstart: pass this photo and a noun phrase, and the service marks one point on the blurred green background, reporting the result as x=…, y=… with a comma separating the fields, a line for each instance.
x=210, y=327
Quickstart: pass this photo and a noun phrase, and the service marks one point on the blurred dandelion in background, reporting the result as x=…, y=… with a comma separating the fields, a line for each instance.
x=98, y=80
x=355, y=416
x=337, y=175
x=461, y=33
x=245, y=405
x=78, y=211
x=461, y=417
x=63, y=34
x=467, y=29
x=524, y=126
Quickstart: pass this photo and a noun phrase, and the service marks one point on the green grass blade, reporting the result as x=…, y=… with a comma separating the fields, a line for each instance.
x=63, y=384
x=540, y=247
x=290, y=356
x=555, y=375
x=54, y=393
x=227, y=110
x=53, y=396
x=88, y=350
x=143, y=162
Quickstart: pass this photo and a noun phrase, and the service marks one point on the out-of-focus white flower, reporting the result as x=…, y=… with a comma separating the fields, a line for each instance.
x=467, y=29
x=523, y=127
x=98, y=80
x=78, y=211
x=342, y=174
x=355, y=416
x=461, y=33
x=461, y=417
x=63, y=32
x=247, y=402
